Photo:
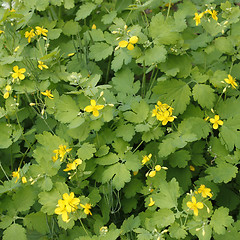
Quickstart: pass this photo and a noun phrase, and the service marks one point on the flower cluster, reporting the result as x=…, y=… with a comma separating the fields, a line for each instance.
x=128, y=44
x=8, y=88
x=67, y=205
x=16, y=175
x=94, y=108
x=38, y=31
x=198, y=17
x=60, y=152
x=163, y=113
x=157, y=168
x=194, y=205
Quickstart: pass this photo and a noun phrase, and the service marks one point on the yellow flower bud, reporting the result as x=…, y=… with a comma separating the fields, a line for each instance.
x=158, y=168
x=152, y=174
x=133, y=39
x=130, y=47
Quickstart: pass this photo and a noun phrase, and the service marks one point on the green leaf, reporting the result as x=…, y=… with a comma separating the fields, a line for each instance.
x=166, y=215
x=6, y=131
x=125, y=131
x=67, y=109
x=173, y=91
x=86, y=151
x=130, y=224
x=71, y=28
x=85, y=10
x=143, y=234
x=36, y=221
x=100, y=51
x=68, y=4
x=224, y=45
x=109, y=159
x=121, y=56
x=204, y=94
x=102, y=151
x=153, y=56
x=53, y=34
x=168, y=195
x=139, y=112
x=131, y=188
x=119, y=175
x=179, y=159
x=176, y=231
x=124, y=82
x=162, y=30
x=223, y=172
x=179, y=66
x=97, y=35
x=229, y=133
x=49, y=200
x=108, y=18
x=220, y=220
x=15, y=231
x=42, y=5
x=24, y=198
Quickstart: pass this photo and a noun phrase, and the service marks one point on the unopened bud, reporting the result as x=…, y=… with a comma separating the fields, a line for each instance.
x=101, y=93
x=32, y=104
x=111, y=105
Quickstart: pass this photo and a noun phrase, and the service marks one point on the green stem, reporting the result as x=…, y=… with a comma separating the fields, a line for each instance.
x=169, y=7
x=83, y=226
x=143, y=79
x=4, y=171
x=138, y=146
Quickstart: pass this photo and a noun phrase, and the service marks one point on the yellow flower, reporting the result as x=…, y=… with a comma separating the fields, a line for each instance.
x=152, y=174
x=194, y=205
x=1, y=31
x=213, y=13
x=198, y=17
x=192, y=168
x=215, y=121
x=133, y=39
x=6, y=95
x=123, y=44
x=204, y=191
x=165, y=117
x=94, y=26
x=60, y=152
x=70, y=202
x=151, y=202
x=94, y=108
x=130, y=47
x=16, y=174
x=18, y=73
x=41, y=30
x=48, y=94
x=73, y=165
x=29, y=35
x=41, y=65
x=16, y=49
x=158, y=168
x=61, y=210
x=146, y=159
x=87, y=208
x=24, y=180
x=231, y=81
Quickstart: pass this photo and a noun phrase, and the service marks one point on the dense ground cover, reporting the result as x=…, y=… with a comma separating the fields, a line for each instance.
x=119, y=119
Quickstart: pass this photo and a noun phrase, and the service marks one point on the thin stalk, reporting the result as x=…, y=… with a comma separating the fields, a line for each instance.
x=83, y=226
x=169, y=7
x=143, y=80
x=4, y=171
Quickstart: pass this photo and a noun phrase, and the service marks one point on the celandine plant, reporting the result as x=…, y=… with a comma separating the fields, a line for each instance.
x=119, y=119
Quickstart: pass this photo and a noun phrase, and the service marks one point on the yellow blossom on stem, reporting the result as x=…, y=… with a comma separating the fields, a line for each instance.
x=87, y=208
x=152, y=173
x=133, y=39
x=70, y=202
x=16, y=175
x=61, y=210
x=123, y=44
x=215, y=121
x=1, y=31
x=24, y=180
x=94, y=26
x=94, y=108
x=130, y=46
x=198, y=17
x=41, y=65
x=18, y=73
x=204, y=191
x=192, y=168
x=73, y=165
x=41, y=30
x=194, y=205
x=231, y=80
x=48, y=94
x=146, y=159
x=151, y=202
x=60, y=152
x=158, y=168
x=29, y=35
